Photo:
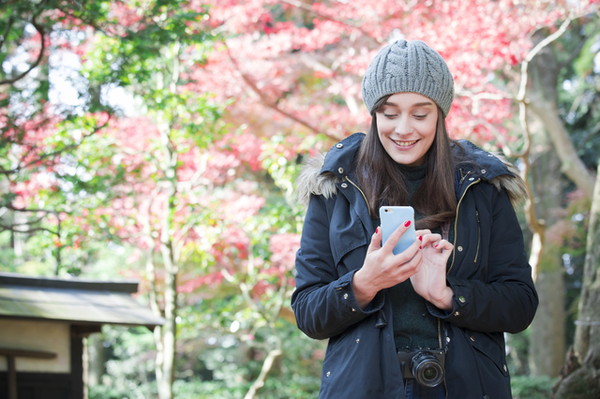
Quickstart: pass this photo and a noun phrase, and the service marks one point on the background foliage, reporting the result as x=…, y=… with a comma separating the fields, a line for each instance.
x=160, y=140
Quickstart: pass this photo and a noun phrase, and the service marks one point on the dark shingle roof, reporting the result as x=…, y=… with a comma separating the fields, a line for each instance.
x=87, y=302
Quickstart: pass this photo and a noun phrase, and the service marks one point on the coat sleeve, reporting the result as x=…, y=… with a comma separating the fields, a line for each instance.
x=504, y=299
x=323, y=301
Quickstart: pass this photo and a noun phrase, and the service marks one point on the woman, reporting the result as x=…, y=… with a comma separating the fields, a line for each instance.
x=445, y=302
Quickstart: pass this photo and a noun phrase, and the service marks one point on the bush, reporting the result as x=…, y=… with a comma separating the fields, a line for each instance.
x=527, y=387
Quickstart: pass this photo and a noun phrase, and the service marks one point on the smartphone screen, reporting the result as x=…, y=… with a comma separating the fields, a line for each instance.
x=394, y=216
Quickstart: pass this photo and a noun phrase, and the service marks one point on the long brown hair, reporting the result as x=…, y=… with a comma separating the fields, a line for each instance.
x=382, y=183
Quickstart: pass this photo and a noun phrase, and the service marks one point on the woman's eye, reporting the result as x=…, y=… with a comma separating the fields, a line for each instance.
x=421, y=116
x=389, y=116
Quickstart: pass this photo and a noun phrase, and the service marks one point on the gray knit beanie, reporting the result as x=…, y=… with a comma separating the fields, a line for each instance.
x=408, y=66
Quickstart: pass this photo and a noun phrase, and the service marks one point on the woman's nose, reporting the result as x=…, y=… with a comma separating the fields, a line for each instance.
x=402, y=126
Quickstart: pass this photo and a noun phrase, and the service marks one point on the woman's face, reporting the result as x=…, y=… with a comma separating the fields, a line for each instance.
x=406, y=124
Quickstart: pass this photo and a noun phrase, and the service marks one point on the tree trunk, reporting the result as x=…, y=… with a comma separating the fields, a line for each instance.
x=96, y=359
x=18, y=239
x=580, y=378
x=544, y=70
x=572, y=165
x=168, y=339
x=547, y=329
x=170, y=261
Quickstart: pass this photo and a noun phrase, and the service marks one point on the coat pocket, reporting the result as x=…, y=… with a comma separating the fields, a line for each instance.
x=491, y=351
x=346, y=230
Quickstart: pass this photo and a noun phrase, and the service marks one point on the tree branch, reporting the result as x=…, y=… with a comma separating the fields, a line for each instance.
x=266, y=367
x=546, y=110
x=25, y=227
x=305, y=7
x=5, y=35
x=15, y=229
x=47, y=155
x=270, y=103
x=40, y=56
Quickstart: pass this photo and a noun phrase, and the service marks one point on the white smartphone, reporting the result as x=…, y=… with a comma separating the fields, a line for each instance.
x=394, y=216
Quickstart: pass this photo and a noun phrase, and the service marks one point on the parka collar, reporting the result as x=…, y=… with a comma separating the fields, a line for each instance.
x=338, y=158
x=321, y=173
x=481, y=163
x=477, y=164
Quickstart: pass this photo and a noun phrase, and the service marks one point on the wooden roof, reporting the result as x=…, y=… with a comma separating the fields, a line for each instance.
x=78, y=301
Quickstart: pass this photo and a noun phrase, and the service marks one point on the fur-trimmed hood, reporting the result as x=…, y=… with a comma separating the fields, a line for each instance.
x=322, y=172
x=313, y=180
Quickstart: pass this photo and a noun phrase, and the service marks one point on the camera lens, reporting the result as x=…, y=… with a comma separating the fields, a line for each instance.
x=427, y=369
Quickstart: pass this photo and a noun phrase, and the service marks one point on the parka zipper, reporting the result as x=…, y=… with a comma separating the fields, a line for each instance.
x=454, y=244
x=478, y=236
x=456, y=219
x=381, y=319
x=358, y=188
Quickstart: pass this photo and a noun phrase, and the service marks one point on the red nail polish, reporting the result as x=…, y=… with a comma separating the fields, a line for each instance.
x=407, y=223
x=377, y=230
x=420, y=238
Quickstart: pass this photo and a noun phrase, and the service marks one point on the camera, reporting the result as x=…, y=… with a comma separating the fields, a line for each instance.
x=426, y=366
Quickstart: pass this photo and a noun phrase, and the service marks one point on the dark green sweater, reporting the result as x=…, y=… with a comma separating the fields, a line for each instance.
x=414, y=327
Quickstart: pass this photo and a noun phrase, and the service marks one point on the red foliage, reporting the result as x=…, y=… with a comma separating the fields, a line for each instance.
x=289, y=69
x=246, y=148
x=283, y=248
x=293, y=69
x=231, y=248
x=191, y=285
x=303, y=61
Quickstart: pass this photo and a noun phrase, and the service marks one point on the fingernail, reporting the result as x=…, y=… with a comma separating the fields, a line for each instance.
x=407, y=223
x=420, y=238
x=377, y=230
x=420, y=247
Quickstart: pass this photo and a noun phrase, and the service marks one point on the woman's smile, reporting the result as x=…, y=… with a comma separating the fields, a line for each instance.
x=405, y=144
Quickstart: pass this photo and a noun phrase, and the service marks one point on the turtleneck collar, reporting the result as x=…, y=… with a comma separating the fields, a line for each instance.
x=413, y=173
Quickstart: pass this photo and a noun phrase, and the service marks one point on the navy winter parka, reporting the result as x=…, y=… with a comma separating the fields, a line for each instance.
x=488, y=272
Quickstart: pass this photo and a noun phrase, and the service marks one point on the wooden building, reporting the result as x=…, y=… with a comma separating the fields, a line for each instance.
x=43, y=323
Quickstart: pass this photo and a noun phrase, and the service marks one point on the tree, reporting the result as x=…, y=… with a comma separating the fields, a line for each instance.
x=179, y=203
x=153, y=59
x=539, y=93
x=35, y=135
x=133, y=41
x=579, y=377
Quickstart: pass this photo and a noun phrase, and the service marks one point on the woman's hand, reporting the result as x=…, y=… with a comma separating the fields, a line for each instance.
x=382, y=269
x=430, y=280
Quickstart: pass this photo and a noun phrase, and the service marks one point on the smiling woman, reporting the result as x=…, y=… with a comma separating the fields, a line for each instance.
x=415, y=324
